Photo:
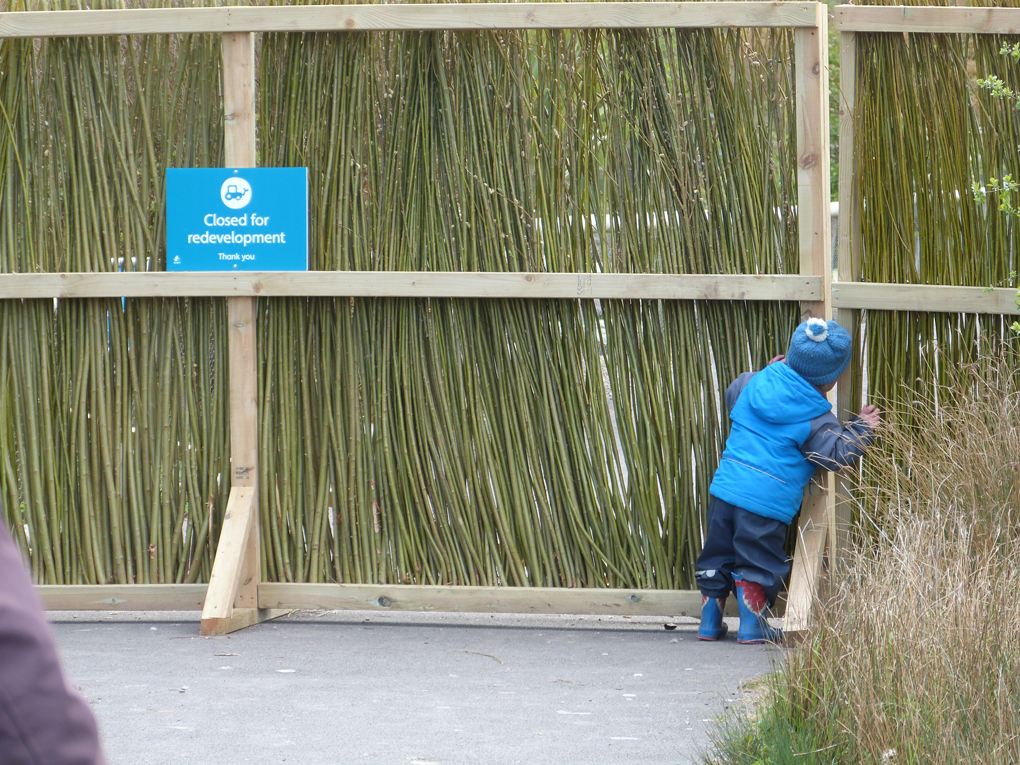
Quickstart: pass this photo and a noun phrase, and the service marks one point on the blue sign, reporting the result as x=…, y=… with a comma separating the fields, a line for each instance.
x=237, y=219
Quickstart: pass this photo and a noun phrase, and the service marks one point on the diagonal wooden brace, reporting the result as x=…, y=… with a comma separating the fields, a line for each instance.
x=225, y=581
x=812, y=534
x=231, y=600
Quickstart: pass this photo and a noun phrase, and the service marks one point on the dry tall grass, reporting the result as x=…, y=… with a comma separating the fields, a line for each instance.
x=916, y=658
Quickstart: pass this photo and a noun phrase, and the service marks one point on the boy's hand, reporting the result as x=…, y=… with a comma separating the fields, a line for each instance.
x=780, y=357
x=872, y=416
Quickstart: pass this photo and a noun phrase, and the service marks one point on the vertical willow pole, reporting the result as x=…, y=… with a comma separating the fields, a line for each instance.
x=817, y=514
x=232, y=599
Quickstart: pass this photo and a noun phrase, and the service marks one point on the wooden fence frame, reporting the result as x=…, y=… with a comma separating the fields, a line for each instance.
x=235, y=596
x=849, y=295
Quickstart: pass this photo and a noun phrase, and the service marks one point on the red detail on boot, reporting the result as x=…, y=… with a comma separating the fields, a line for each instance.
x=753, y=595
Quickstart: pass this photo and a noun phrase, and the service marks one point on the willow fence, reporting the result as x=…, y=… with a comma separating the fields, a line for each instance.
x=922, y=263
x=236, y=594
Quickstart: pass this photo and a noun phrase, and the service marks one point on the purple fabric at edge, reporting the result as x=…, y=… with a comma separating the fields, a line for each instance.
x=42, y=720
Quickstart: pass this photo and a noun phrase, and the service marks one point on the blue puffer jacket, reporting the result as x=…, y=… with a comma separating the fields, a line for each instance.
x=782, y=430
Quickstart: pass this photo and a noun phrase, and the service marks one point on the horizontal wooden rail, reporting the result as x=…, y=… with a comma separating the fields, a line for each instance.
x=412, y=284
x=901, y=18
x=923, y=297
x=381, y=597
x=408, y=17
x=126, y=597
x=499, y=600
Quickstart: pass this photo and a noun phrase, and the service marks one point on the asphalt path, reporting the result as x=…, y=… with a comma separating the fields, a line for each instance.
x=405, y=689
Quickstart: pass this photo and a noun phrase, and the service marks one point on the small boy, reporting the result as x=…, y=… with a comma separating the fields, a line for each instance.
x=782, y=429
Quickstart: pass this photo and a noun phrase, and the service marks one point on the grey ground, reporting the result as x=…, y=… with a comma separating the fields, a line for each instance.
x=404, y=689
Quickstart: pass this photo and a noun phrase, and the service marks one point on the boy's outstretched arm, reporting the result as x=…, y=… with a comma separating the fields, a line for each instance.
x=833, y=447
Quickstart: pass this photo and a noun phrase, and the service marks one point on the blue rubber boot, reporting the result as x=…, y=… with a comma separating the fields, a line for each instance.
x=753, y=605
x=712, y=626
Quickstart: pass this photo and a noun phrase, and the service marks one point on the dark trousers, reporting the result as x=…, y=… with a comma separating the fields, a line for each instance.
x=743, y=543
x=42, y=720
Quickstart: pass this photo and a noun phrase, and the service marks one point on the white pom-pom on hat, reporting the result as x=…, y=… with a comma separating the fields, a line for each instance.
x=819, y=351
x=817, y=330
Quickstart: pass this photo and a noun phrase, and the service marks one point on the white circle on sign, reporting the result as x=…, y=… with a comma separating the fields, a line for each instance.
x=235, y=192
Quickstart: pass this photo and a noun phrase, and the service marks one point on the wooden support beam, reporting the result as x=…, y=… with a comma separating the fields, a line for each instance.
x=275, y=599
x=814, y=224
x=238, y=99
x=813, y=198
x=244, y=460
x=849, y=256
x=232, y=603
x=566, y=286
x=498, y=600
x=944, y=20
x=228, y=567
x=240, y=151
x=848, y=388
x=812, y=531
x=225, y=608
x=924, y=297
x=353, y=18
x=127, y=597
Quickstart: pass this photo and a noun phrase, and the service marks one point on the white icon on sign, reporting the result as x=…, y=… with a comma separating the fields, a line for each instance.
x=177, y=260
x=235, y=193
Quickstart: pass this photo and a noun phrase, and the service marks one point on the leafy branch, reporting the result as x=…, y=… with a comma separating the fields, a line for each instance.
x=1005, y=187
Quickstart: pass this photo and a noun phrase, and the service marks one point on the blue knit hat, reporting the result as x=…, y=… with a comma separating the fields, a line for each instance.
x=819, y=351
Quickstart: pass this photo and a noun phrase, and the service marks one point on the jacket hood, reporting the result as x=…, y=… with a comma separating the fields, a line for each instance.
x=780, y=395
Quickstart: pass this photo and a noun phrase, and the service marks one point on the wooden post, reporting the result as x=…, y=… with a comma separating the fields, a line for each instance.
x=813, y=198
x=232, y=599
x=849, y=262
x=817, y=516
x=244, y=462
